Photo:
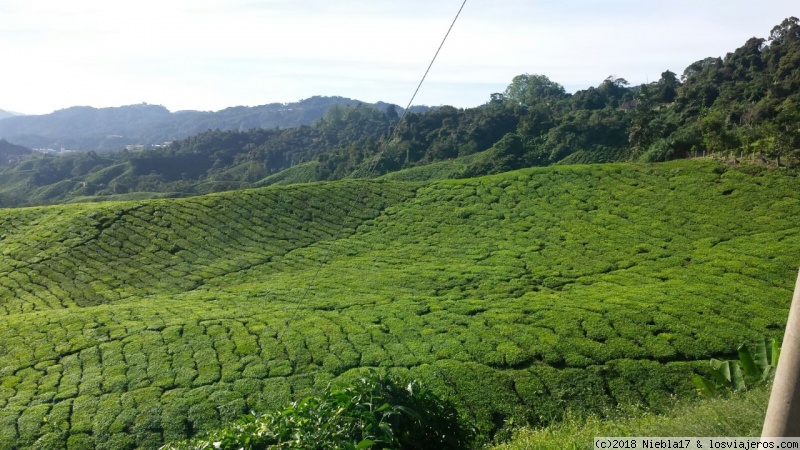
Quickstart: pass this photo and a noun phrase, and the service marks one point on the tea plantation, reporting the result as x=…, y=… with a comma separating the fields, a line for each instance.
x=126, y=325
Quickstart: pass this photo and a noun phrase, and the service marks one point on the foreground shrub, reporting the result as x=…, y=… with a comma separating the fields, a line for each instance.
x=376, y=411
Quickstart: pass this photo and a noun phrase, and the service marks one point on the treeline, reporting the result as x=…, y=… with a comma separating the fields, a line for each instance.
x=747, y=103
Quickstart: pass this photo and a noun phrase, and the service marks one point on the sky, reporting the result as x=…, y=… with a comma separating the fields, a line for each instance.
x=212, y=54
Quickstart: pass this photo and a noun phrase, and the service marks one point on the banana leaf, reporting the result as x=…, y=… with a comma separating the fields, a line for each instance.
x=722, y=372
x=753, y=367
x=737, y=377
x=776, y=352
x=761, y=357
x=704, y=386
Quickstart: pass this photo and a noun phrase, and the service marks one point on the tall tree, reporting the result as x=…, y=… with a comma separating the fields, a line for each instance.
x=532, y=89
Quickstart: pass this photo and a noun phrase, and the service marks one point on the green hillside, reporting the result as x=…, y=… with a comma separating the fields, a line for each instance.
x=124, y=325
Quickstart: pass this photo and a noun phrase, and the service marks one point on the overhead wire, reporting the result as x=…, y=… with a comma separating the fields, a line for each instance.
x=370, y=170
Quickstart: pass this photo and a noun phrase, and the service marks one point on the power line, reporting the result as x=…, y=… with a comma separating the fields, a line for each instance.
x=432, y=60
x=370, y=170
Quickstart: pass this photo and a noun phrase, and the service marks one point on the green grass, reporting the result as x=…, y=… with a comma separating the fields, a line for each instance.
x=740, y=415
x=517, y=296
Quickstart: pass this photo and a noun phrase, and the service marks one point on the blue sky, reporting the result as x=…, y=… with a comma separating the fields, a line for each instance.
x=211, y=54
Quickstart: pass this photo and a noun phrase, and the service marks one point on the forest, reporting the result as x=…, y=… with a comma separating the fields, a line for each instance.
x=743, y=105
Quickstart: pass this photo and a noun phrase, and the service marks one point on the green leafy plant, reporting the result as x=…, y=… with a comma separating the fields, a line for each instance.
x=377, y=411
x=752, y=367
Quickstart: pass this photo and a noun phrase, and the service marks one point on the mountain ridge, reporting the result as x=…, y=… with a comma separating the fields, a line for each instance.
x=114, y=128
x=11, y=154
x=6, y=114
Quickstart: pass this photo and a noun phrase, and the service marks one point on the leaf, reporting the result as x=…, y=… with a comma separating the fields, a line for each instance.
x=722, y=372
x=761, y=359
x=737, y=377
x=366, y=443
x=387, y=430
x=748, y=364
x=776, y=352
x=704, y=386
x=409, y=412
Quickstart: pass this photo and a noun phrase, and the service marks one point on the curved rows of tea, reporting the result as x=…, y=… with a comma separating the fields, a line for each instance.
x=516, y=295
x=93, y=254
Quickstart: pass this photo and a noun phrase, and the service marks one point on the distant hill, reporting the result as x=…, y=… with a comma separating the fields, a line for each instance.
x=88, y=128
x=11, y=154
x=210, y=161
x=5, y=114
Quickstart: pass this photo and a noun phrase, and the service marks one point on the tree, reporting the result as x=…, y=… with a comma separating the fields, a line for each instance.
x=532, y=89
x=783, y=58
x=786, y=132
x=391, y=113
x=788, y=30
x=641, y=132
x=717, y=132
x=668, y=87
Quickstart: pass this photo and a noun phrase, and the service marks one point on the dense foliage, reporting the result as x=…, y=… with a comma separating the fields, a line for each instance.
x=375, y=411
x=515, y=296
x=743, y=105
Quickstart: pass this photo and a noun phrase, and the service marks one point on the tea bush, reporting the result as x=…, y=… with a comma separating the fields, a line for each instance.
x=514, y=296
